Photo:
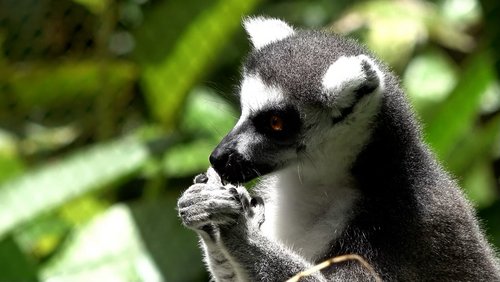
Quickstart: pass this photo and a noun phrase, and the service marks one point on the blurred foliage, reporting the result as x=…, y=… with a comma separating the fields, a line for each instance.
x=108, y=109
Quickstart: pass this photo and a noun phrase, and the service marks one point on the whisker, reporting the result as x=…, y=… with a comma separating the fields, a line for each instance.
x=299, y=162
x=310, y=158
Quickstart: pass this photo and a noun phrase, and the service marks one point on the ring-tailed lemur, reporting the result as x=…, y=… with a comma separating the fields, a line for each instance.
x=344, y=171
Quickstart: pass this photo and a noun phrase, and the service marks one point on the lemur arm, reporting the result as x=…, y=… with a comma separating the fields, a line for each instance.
x=228, y=221
x=261, y=259
x=220, y=267
x=218, y=263
x=251, y=258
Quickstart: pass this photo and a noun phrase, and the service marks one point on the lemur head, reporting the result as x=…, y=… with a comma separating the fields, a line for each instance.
x=300, y=90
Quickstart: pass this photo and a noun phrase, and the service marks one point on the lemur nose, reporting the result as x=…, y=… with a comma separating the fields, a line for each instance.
x=219, y=158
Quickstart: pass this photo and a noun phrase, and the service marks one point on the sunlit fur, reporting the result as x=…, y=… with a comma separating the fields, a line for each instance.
x=263, y=31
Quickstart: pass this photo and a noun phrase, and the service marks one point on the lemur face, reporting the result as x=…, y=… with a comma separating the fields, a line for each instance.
x=266, y=136
x=295, y=85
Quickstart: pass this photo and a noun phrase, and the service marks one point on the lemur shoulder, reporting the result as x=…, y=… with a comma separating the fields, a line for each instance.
x=343, y=170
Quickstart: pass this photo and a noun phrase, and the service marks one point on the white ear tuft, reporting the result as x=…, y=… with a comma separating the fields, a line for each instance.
x=263, y=31
x=349, y=74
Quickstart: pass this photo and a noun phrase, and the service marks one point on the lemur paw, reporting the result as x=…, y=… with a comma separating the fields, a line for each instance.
x=204, y=204
x=253, y=207
x=208, y=204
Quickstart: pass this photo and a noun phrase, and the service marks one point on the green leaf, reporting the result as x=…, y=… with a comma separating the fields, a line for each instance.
x=15, y=266
x=39, y=138
x=174, y=248
x=10, y=166
x=48, y=187
x=492, y=32
x=429, y=78
x=108, y=248
x=479, y=184
x=42, y=237
x=455, y=116
x=47, y=85
x=207, y=114
x=166, y=82
x=11, y=163
x=2, y=40
x=80, y=210
x=393, y=30
x=461, y=12
x=95, y=6
x=478, y=145
x=491, y=221
x=187, y=159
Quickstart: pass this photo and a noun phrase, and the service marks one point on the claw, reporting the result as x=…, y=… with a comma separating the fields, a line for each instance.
x=233, y=191
x=253, y=202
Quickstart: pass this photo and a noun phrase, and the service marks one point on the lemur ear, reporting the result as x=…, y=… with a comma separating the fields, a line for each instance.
x=263, y=31
x=350, y=78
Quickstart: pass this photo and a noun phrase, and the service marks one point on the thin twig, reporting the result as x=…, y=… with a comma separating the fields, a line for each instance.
x=335, y=260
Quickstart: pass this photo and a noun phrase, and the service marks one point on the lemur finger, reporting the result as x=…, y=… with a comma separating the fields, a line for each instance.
x=242, y=195
x=237, y=192
x=194, y=189
x=257, y=201
x=198, y=216
x=196, y=221
x=199, y=198
x=233, y=191
x=213, y=177
x=258, y=209
x=245, y=203
x=202, y=188
x=223, y=219
x=209, y=229
x=207, y=232
x=200, y=178
x=210, y=199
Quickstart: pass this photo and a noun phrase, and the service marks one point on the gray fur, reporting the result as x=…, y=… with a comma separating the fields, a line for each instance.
x=410, y=220
x=297, y=63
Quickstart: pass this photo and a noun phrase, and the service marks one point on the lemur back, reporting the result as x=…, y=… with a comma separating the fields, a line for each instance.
x=344, y=171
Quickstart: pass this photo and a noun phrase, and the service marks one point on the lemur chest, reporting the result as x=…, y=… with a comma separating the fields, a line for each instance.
x=308, y=224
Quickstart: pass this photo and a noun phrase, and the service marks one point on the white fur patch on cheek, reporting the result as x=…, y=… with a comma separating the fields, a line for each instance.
x=263, y=31
x=255, y=95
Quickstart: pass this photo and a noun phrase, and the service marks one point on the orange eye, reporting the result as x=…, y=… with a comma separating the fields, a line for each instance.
x=276, y=123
